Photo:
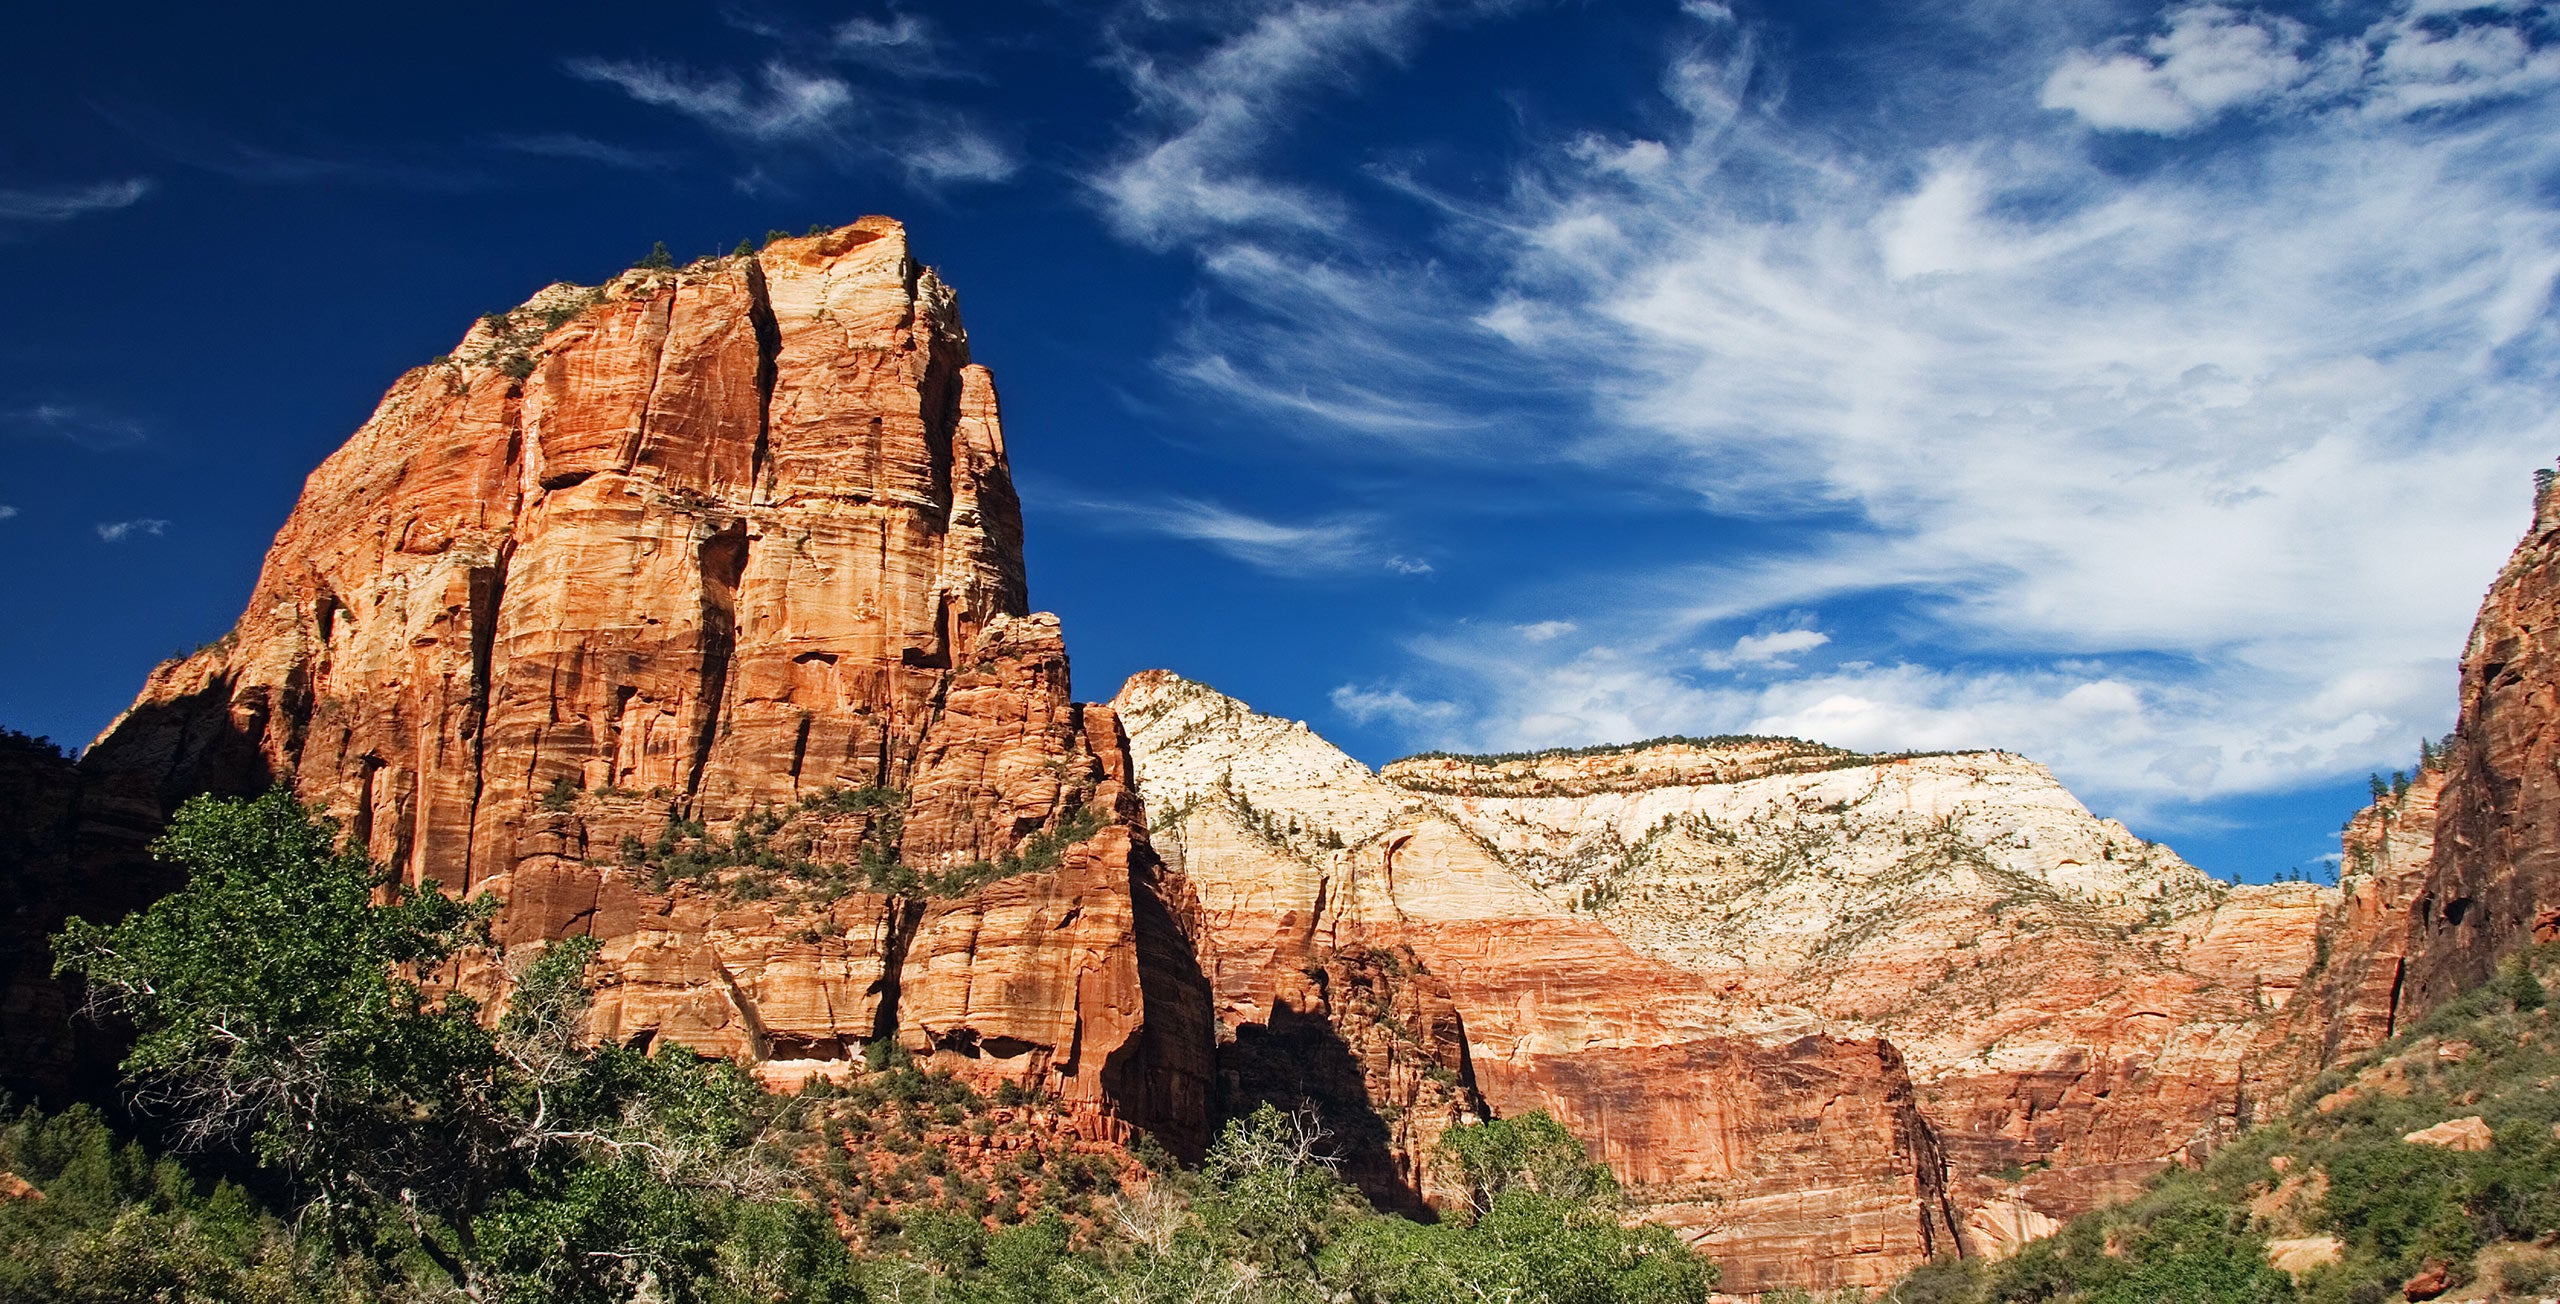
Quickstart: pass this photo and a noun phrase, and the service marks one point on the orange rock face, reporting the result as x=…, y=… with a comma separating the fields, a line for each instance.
x=707, y=549
x=2463, y=868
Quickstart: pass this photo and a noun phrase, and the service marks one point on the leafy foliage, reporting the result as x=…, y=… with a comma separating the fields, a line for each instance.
x=2336, y=1164
x=766, y=847
x=293, y=1015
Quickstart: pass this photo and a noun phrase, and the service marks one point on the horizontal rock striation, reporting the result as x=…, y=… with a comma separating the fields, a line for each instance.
x=2077, y=1007
x=2003, y=1010
x=1798, y=1156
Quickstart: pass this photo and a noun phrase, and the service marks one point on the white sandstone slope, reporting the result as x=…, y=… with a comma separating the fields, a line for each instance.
x=2062, y=991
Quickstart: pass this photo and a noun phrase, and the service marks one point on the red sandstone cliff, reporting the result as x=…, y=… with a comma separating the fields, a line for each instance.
x=2448, y=877
x=1795, y=1152
x=700, y=557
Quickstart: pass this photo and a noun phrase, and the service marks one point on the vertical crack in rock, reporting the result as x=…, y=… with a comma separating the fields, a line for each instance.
x=762, y=475
x=723, y=559
x=901, y=918
x=757, y=1040
x=488, y=587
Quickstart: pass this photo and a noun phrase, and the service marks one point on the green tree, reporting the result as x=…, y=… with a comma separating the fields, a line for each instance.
x=272, y=1008
x=286, y=999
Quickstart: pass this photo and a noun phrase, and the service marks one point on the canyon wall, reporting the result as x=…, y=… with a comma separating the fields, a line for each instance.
x=660, y=609
x=1793, y=1150
x=1832, y=1013
x=2076, y=1006
x=2461, y=868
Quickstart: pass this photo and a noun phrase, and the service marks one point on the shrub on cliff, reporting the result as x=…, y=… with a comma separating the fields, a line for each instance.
x=284, y=1010
x=2336, y=1164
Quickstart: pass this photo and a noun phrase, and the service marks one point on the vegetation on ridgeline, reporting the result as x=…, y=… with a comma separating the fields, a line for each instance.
x=352, y=1129
x=2335, y=1165
x=772, y=848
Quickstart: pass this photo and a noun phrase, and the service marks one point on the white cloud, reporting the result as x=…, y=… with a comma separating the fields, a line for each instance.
x=1369, y=706
x=2184, y=478
x=2214, y=58
x=1771, y=649
x=1409, y=565
x=1195, y=173
x=1545, y=631
x=787, y=105
x=1330, y=544
x=119, y=531
x=2211, y=58
x=63, y=203
x=7, y=511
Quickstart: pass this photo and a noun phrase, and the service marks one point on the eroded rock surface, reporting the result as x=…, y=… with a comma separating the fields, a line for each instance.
x=1687, y=950
x=2077, y=1006
x=730, y=550
x=1795, y=1152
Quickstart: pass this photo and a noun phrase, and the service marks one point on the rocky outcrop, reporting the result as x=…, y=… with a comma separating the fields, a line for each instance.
x=2004, y=1010
x=52, y=866
x=714, y=574
x=2077, y=1006
x=2448, y=875
x=2493, y=881
x=1796, y=1154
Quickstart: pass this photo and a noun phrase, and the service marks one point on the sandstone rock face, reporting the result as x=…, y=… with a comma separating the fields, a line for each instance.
x=1796, y=1154
x=2070, y=998
x=68, y=845
x=2072, y=1008
x=2446, y=878
x=2454, y=1134
x=2493, y=881
x=2355, y=997
x=707, y=550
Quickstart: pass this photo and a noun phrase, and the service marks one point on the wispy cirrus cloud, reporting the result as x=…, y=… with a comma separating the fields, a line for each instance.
x=585, y=149
x=302, y=158
x=779, y=103
x=72, y=423
x=2183, y=476
x=1334, y=543
x=1210, y=110
x=120, y=531
x=798, y=101
x=42, y=204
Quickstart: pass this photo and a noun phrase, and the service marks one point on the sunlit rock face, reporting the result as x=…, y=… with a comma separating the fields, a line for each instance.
x=1837, y=1012
x=2076, y=1005
x=707, y=545
x=1794, y=1150
x=2447, y=877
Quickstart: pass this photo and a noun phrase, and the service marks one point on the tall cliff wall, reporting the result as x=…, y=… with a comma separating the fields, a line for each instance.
x=1795, y=1151
x=644, y=573
x=2076, y=1006
x=2462, y=868
x=1686, y=952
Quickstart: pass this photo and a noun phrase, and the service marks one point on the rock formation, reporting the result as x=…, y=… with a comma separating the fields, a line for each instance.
x=2444, y=878
x=701, y=563
x=1795, y=1152
x=688, y=613
x=2057, y=1009
x=2077, y=1006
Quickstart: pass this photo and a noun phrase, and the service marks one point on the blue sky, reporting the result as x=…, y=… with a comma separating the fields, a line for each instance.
x=2151, y=390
